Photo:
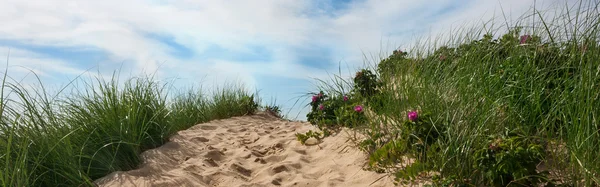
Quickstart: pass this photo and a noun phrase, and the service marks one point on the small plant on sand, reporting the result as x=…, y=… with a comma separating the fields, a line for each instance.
x=273, y=110
x=249, y=104
x=310, y=134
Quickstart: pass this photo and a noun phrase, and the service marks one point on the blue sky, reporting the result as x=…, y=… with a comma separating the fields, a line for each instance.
x=276, y=46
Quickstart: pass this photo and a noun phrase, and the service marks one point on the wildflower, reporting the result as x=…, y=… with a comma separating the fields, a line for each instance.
x=315, y=98
x=358, y=108
x=321, y=107
x=400, y=51
x=320, y=95
x=524, y=39
x=345, y=98
x=412, y=115
x=442, y=57
x=495, y=145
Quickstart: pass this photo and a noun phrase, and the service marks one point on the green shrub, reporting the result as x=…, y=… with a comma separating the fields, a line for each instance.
x=510, y=160
x=389, y=65
x=366, y=83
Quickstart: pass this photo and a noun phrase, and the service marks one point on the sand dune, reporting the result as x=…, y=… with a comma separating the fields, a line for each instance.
x=257, y=150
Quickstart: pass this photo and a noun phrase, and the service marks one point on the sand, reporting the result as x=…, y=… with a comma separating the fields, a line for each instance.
x=257, y=150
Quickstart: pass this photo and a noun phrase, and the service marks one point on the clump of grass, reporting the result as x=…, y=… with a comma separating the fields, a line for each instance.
x=521, y=108
x=73, y=138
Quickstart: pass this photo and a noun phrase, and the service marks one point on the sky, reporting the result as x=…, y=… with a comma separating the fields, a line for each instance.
x=278, y=47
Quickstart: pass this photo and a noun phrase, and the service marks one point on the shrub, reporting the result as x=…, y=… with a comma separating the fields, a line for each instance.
x=510, y=160
x=331, y=112
x=366, y=83
x=322, y=110
x=388, y=66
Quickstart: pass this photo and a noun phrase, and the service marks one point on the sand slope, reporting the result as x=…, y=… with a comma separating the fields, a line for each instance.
x=257, y=150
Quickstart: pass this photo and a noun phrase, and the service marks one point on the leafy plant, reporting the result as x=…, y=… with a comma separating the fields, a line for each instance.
x=310, y=134
x=273, y=110
x=389, y=65
x=510, y=160
x=421, y=133
x=366, y=83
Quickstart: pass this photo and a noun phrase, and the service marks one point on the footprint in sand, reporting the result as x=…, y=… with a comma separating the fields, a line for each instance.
x=241, y=169
x=200, y=139
x=214, y=155
x=280, y=169
x=208, y=127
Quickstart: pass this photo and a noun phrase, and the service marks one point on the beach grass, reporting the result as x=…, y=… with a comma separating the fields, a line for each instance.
x=96, y=126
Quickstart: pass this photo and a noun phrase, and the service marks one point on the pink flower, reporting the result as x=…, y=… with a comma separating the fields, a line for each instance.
x=314, y=98
x=321, y=107
x=358, y=108
x=320, y=95
x=412, y=115
x=345, y=98
x=399, y=51
x=524, y=39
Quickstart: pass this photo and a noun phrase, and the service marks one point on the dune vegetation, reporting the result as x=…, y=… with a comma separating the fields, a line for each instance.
x=514, y=104
x=94, y=127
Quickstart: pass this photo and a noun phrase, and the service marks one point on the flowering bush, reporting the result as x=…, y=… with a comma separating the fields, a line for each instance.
x=420, y=133
x=322, y=110
x=416, y=138
x=329, y=111
x=524, y=39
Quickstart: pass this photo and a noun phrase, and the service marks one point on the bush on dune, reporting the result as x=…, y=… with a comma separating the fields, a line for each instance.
x=517, y=110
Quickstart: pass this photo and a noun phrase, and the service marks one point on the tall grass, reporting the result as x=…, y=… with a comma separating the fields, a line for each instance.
x=98, y=126
x=480, y=84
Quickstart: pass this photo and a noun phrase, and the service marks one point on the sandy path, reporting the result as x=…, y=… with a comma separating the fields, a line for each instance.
x=256, y=150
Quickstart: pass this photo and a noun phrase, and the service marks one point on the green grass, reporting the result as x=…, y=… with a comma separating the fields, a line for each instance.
x=94, y=127
x=482, y=86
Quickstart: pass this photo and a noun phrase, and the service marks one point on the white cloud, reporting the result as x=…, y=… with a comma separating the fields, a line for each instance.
x=120, y=28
